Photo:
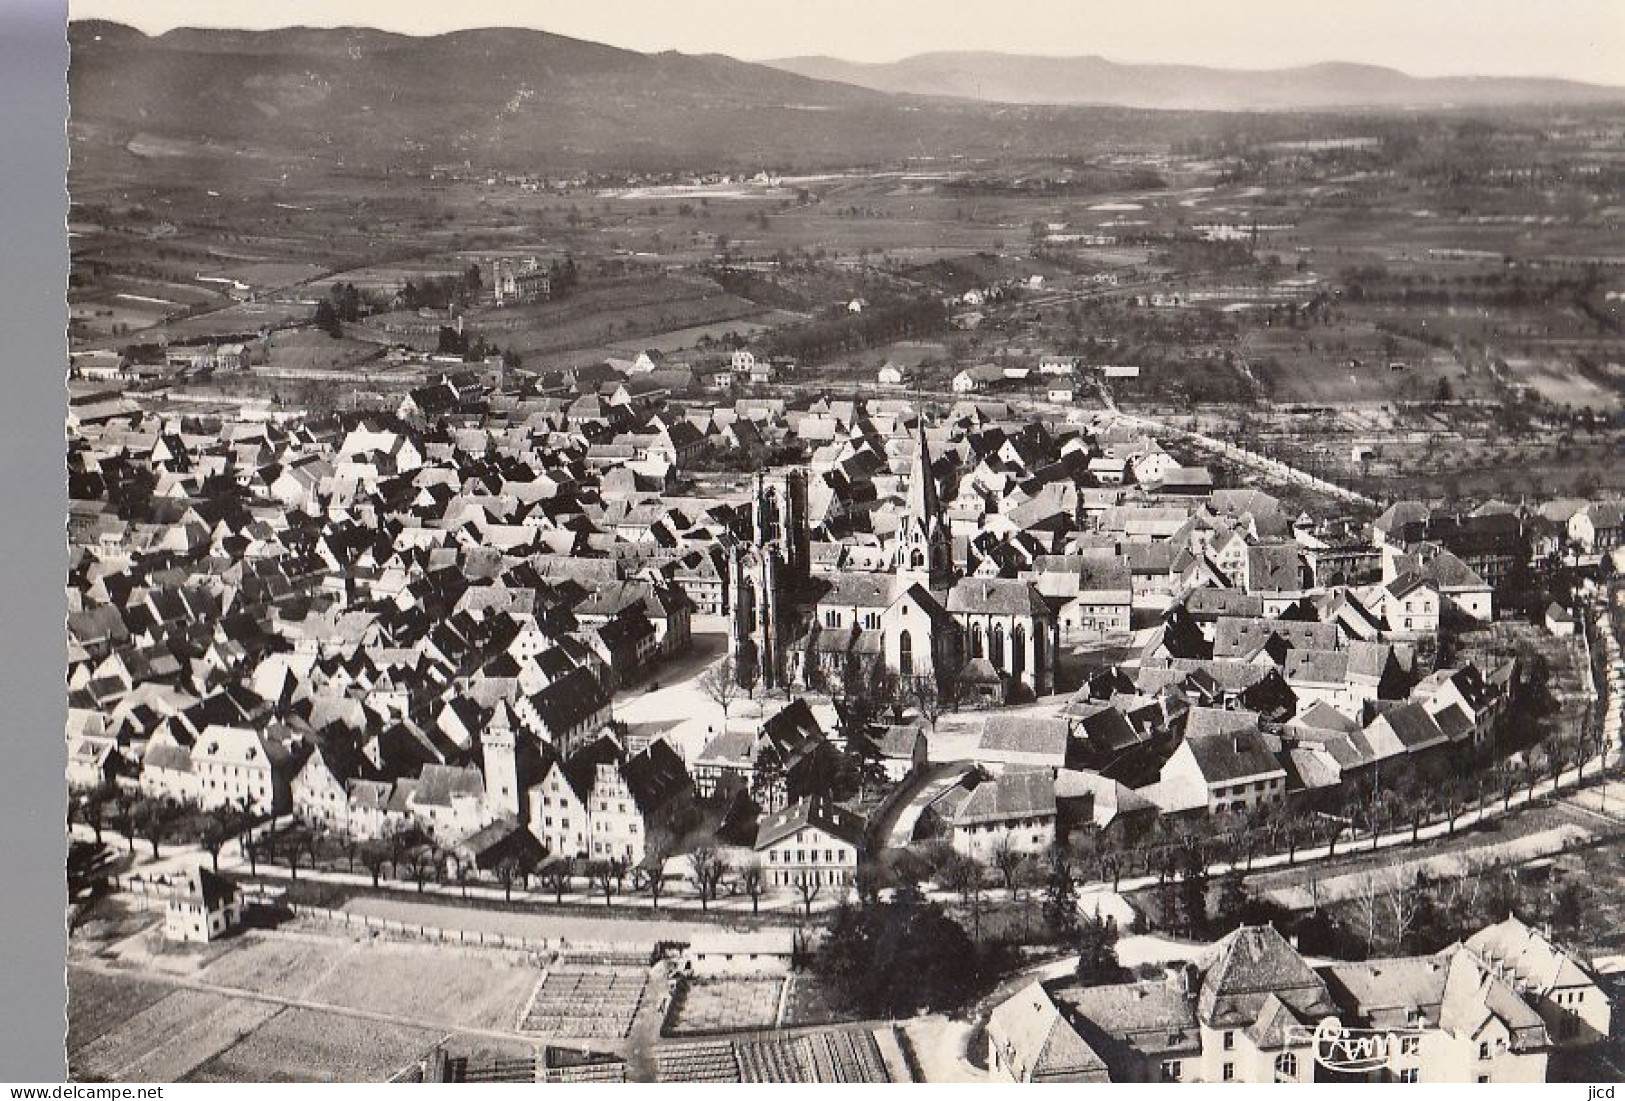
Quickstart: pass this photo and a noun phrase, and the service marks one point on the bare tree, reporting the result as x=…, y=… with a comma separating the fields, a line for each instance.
x=315, y=840
x=90, y=806
x=706, y=867
x=967, y=878
x=511, y=870
x=1368, y=908
x=604, y=875
x=155, y=818
x=807, y=886
x=374, y=855
x=960, y=874
x=720, y=684
x=557, y=876
x=926, y=697
x=423, y=859
x=293, y=845
x=1007, y=859
x=213, y=837
x=657, y=849
x=125, y=818
x=754, y=881
x=351, y=846
x=399, y=841
x=1404, y=906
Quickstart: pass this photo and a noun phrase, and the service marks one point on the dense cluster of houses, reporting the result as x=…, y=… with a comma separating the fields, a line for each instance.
x=1492, y=1009
x=424, y=616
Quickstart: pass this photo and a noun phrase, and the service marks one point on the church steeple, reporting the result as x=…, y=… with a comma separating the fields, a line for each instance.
x=924, y=553
x=922, y=483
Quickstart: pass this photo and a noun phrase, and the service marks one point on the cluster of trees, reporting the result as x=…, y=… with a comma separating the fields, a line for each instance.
x=473, y=347
x=343, y=303
x=826, y=338
x=704, y=869
x=858, y=964
x=719, y=458
x=900, y=956
x=441, y=291
x=156, y=819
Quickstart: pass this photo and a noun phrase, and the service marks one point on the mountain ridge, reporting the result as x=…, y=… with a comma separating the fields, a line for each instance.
x=1093, y=80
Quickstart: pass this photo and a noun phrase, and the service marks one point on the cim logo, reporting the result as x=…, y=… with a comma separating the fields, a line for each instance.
x=1354, y=1050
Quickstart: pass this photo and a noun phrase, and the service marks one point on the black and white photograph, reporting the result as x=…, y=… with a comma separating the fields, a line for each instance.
x=832, y=542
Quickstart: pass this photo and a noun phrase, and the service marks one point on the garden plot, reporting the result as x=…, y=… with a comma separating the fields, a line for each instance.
x=586, y=1003
x=725, y=1005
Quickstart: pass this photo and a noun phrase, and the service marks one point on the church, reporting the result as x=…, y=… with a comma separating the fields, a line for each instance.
x=996, y=638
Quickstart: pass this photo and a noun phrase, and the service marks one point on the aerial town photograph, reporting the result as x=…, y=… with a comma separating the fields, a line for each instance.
x=845, y=543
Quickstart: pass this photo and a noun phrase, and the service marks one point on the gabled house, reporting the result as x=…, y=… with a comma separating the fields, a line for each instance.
x=811, y=843
x=1029, y=1039
x=601, y=804
x=200, y=906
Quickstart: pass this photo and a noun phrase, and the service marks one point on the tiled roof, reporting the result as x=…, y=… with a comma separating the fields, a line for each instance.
x=1024, y=734
x=1026, y=794
x=1037, y=1042
x=820, y=814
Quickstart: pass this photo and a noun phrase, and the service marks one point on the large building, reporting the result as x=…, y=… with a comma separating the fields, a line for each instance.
x=921, y=620
x=1253, y=1010
x=515, y=284
x=811, y=844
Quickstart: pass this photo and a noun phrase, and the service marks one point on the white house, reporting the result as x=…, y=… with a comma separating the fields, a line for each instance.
x=201, y=906
x=812, y=843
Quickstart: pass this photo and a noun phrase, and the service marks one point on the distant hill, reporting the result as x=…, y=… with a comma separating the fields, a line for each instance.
x=1018, y=79
x=519, y=98
x=223, y=105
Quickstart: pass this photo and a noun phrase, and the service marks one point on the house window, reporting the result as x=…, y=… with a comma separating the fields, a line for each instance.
x=1230, y=1072
x=1172, y=1069
x=1410, y=1045
x=905, y=654
x=1286, y=1067
x=1484, y=1051
x=1410, y=1075
x=1229, y=1041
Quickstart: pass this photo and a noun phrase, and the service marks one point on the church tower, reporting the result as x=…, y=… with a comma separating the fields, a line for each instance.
x=924, y=551
x=753, y=637
x=499, y=750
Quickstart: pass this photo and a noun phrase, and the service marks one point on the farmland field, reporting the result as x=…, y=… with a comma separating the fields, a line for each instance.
x=463, y=987
x=313, y=1046
x=102, y=1002
x=364, y=1008
x=169, y=1038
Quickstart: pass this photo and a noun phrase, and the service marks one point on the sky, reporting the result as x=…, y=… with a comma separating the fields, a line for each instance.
x=1577, y=39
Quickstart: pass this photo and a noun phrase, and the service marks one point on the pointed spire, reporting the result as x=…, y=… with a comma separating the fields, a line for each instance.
x=922, y=484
